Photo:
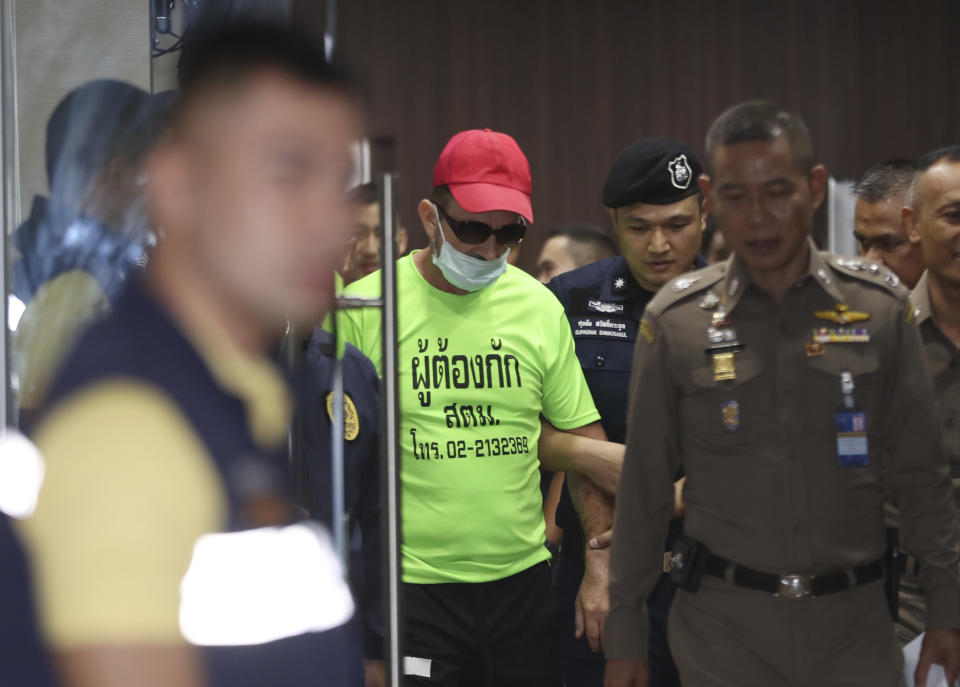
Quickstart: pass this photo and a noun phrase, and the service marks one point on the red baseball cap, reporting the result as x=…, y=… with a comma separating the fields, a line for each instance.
x=486, y=171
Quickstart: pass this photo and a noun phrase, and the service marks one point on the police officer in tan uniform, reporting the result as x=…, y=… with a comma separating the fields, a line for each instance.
x=789, y=386
x=932, y=222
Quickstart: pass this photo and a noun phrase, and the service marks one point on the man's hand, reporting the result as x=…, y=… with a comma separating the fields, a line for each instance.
x=626, y=673
x=602, y=540
x=593, y=600
x=941, y=646
x=678, y=508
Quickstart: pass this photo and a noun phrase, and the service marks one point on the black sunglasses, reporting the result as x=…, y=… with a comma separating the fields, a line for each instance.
x=472, y=232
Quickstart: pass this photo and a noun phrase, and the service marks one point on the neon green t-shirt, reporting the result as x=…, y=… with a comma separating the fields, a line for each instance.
x=475, y=373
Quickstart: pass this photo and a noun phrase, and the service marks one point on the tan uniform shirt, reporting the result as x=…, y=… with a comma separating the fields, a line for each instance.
x=943, y=365
x=763, y=484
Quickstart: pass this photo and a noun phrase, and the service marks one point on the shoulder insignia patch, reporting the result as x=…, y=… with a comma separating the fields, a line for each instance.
x=684, y=287
x=868, y=271
x=646, y=331
x=709, y=301
x=351, y=419
x=681, y=284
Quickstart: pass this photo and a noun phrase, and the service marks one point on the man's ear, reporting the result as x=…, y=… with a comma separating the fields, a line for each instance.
x=910, y=217
x=612, y=214
x=706, y=188
x=168, y=189
x=428, y=218
x=818, y=185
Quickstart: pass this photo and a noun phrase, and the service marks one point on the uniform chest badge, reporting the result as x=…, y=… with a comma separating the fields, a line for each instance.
x=841, y=315
x=601, y=306
x=730, y=414
x=841, y=335
x=709, y=301
x=680, y=172
x=646, y=331
x=351, y=419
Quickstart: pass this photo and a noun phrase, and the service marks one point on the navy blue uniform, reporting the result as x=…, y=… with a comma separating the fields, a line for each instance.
x=23, y=658
x=139, y=341
x=604, y=304
x=361, y=449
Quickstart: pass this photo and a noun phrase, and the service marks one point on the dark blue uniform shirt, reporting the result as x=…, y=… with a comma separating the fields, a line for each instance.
x=604, y=305
x=361, y=452
x=23, y=658
x=139, y=340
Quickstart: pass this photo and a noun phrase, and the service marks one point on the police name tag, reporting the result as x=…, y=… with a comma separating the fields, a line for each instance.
x=852, y=447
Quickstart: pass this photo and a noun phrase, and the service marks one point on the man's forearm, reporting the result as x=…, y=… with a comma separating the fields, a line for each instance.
x=584, y=450
x=594, y=507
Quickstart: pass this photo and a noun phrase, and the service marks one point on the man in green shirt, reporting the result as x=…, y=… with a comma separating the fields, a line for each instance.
x=484, y=350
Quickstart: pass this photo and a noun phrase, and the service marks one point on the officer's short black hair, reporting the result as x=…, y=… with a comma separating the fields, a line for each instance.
x=950, y=153
x=761, y=121
x=226, y=55
x=365, y=194
x=885, y=179
x=587, y=243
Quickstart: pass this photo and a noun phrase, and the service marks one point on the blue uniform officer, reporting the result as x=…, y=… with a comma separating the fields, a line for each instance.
x=653, y=200
x=361, y=470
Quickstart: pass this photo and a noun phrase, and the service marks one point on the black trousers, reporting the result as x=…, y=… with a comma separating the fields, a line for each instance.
x=489, y=634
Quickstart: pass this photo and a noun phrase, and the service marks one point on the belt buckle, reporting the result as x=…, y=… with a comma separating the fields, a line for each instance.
x=794, y=587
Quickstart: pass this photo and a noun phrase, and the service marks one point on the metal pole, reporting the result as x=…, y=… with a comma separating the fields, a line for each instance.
x=329, y=28
x=8, y=114
x=390, y=464
x=338, y=520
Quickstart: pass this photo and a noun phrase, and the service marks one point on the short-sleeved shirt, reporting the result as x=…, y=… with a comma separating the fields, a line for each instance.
x=23, y=657
x=154, y=437
x=747, y=394
x=604, y=304
x=476, y=371
x=943, y=364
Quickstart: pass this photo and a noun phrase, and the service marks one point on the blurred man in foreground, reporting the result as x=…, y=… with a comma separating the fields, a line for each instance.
x=164, y=434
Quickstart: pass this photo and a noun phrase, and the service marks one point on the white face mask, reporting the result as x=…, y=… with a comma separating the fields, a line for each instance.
x=464, y=271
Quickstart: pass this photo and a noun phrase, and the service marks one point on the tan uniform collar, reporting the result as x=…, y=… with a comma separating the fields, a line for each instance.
x=920, y=300
x=255, y=380
x=737, y=278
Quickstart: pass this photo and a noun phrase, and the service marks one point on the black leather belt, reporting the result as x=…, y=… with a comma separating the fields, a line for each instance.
x=794, y=586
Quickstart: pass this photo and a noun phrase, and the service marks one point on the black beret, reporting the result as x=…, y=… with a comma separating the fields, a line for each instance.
x=656, y=171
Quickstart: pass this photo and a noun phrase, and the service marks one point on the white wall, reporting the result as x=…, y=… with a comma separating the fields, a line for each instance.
x=60, y=44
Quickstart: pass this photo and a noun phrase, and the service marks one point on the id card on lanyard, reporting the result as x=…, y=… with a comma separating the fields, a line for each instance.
x=853, y=450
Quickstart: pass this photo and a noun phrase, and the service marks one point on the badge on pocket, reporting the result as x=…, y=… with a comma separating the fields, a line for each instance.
x=853, y=450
